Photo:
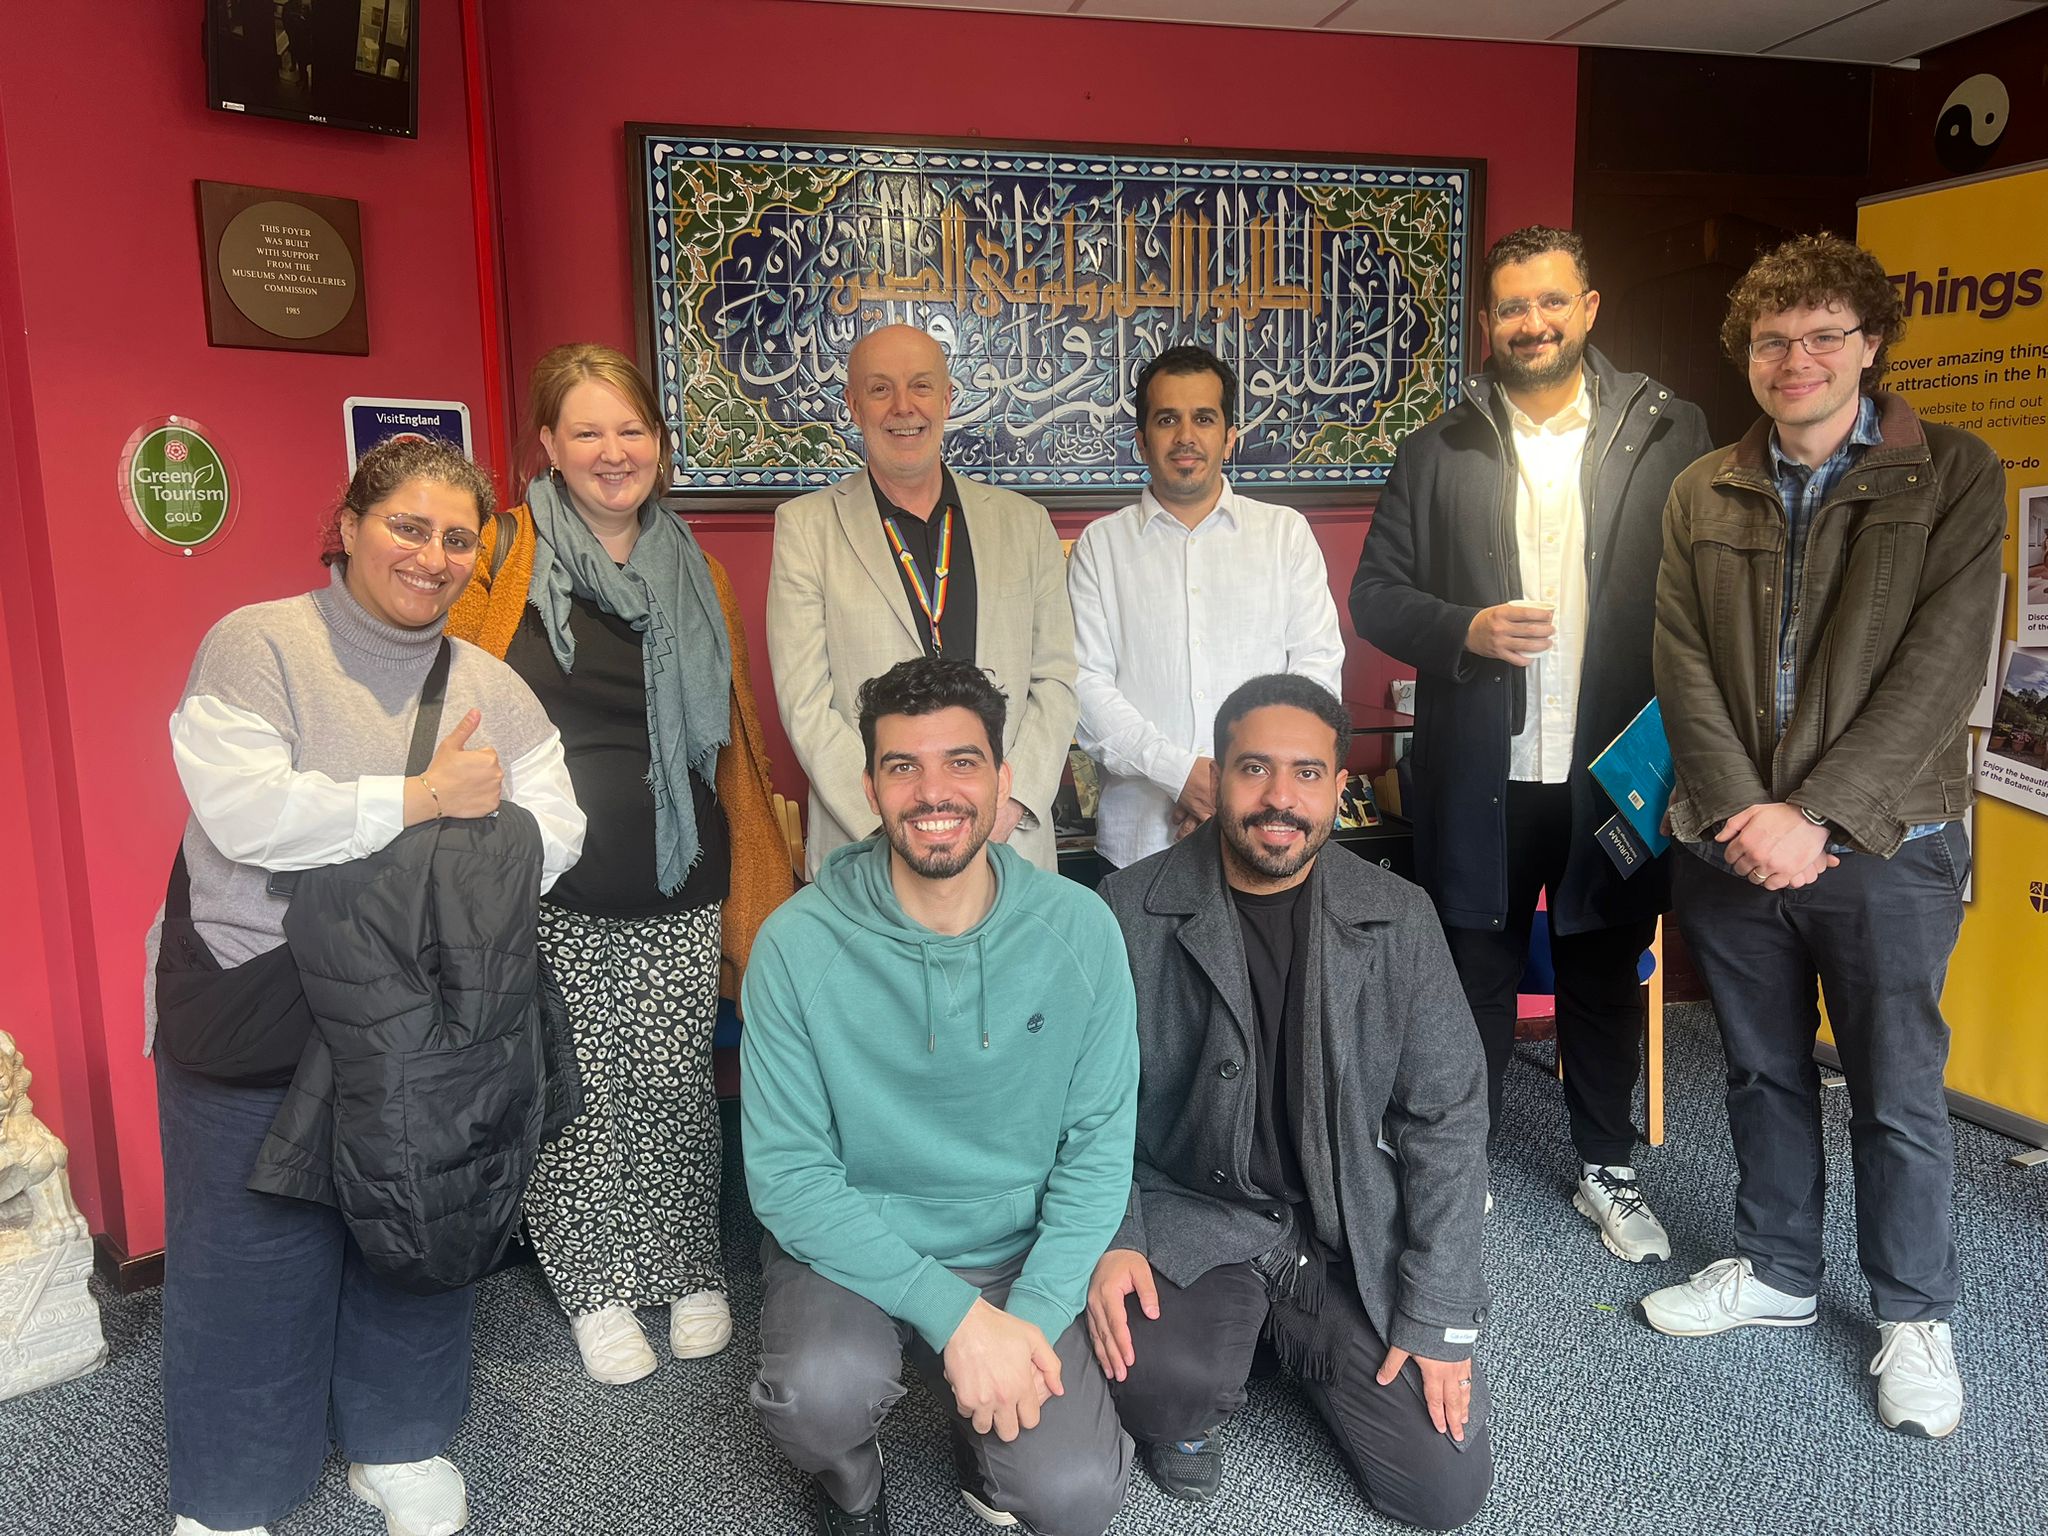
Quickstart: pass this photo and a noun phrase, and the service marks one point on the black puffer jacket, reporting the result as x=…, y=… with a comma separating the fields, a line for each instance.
x=424, y=1095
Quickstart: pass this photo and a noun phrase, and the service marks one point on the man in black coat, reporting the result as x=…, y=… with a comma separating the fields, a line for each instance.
x=1512, y=561
x=1311, y=1152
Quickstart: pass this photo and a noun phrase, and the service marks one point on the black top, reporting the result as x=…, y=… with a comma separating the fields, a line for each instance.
x=1274, y=943
x=601, y=711
x=956, y=624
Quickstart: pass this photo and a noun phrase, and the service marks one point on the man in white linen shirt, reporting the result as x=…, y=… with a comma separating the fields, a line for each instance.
x=1180, y=597
x=1512, y=561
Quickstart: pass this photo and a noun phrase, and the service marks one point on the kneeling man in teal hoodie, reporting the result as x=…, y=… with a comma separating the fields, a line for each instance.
x=938, y=1094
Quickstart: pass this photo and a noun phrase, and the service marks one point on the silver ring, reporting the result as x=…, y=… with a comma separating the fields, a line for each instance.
x=1466, y=1382
x=1756, y=876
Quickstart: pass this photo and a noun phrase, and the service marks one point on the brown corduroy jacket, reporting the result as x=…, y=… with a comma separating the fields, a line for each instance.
x=487, y=615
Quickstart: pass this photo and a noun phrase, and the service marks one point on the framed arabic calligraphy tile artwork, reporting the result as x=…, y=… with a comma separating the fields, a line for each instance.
x=1338, y=288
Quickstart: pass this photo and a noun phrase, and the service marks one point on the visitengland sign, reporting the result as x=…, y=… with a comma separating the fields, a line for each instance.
x=176, y=485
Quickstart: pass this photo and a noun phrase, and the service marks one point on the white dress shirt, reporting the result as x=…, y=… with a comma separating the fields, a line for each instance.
x=1167, y=621
x=1550, y=536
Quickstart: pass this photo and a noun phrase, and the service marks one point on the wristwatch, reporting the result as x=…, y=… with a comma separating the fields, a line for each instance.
x=1813, y=816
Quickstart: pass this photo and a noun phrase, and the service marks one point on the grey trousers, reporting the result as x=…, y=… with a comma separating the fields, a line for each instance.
x=832, y=1368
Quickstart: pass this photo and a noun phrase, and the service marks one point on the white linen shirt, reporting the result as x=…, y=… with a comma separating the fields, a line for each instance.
x=1550, y=539
x=1167, y=621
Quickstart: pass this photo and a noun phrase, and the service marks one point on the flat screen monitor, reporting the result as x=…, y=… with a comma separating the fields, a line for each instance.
x=343, y=63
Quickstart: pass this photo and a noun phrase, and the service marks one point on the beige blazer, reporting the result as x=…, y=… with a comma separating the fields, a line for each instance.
x=837, y=616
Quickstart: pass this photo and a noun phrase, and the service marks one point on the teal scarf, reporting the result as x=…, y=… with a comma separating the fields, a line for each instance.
x=664, y=591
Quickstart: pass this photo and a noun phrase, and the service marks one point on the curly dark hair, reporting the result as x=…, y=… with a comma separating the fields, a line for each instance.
x=1811, y=272
x=1284, y=688
x=1180, y=360
x=388, y=466
x=924, y=685
x=1529, y=242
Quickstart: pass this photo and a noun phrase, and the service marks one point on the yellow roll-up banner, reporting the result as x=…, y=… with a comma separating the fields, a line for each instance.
x=1970, y=260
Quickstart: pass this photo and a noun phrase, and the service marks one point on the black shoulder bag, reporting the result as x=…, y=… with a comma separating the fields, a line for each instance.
x=247, y=1025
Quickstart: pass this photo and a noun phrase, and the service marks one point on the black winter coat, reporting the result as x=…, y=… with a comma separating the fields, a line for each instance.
x=1441, y=547
x=424, y=1096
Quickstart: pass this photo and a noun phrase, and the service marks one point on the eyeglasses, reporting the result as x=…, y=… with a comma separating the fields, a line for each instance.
x=459, y=544
x=1552, y=306
x=1775, y=349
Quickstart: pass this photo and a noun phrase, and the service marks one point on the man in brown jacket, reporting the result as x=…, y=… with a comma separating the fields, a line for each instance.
x=1823, y=613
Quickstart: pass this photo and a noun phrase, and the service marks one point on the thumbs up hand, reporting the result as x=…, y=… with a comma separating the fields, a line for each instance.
x=465, y=781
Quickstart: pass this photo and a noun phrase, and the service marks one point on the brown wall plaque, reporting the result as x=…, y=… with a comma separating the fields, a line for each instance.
x=283, y=269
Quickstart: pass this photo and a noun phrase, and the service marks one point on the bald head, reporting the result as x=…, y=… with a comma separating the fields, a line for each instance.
x=898, y=394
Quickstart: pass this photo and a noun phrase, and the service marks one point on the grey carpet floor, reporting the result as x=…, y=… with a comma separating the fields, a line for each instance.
x=1600, y=1425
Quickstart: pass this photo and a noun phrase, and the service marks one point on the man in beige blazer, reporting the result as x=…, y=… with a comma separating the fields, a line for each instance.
x=904, y=558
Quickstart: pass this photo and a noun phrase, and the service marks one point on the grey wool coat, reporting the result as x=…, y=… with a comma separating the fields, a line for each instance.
x=1396, y=1167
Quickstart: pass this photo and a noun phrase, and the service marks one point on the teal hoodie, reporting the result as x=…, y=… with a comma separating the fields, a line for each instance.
x=912, y=1103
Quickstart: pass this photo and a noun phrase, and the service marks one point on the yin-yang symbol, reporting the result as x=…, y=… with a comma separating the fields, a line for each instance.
x=1971, y=123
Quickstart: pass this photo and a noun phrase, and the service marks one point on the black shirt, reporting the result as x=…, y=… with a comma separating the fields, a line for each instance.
x=922, y=539
x=1274, y=944
x=601, y=711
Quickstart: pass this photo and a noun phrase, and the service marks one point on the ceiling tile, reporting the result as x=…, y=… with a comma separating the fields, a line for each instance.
x=1900, y=29
x=1727, y=26
x=1239, y=13
x=1529, y=20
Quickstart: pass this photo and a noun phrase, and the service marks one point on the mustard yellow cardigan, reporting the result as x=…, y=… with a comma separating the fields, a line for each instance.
x=488, y=614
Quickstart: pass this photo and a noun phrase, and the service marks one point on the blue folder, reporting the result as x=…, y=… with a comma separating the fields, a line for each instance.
x=1635, y=770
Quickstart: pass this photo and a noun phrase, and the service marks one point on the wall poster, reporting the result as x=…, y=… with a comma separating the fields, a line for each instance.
x=1337, y=288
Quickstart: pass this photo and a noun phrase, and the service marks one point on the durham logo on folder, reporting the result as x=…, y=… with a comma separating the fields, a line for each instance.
x=1635, y=770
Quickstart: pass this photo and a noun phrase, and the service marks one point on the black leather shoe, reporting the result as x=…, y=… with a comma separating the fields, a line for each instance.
x=1187, y=1470
x=834, y=1521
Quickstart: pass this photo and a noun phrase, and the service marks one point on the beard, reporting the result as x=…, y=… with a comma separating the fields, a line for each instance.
x=1516, y=374
x=1273, y=863
x=940, y=863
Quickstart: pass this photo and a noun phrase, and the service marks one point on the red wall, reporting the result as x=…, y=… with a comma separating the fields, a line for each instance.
x=102, y=325
x=865, y=69
x=105, y=130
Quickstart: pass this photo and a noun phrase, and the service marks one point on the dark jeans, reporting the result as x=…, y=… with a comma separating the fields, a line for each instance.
x=276, y=1334
x=1189, y=1376
x=832, y=1368
x=1875, y=934
x=1599, y=1000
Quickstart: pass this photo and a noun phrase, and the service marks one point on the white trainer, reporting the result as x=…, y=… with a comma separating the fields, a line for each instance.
x=419, y=1498
x=1612, y=1200
x=614, y=1349
x=699, y=1324
x=1726, y=1294
x=185, y=1525
x=1919, y=1389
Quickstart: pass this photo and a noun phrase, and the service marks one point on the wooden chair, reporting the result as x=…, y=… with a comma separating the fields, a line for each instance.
x=1653, y=1029
x=789, y=816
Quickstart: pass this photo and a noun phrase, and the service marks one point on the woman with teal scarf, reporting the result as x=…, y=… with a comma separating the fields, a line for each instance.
x=622, y=638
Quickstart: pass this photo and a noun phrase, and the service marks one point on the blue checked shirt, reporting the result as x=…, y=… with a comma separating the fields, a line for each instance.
x=1803, y=490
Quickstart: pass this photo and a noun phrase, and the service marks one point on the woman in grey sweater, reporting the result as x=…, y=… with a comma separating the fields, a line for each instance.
x=291, y=742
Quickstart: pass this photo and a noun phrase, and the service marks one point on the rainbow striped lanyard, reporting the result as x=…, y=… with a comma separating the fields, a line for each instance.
x=933, y=602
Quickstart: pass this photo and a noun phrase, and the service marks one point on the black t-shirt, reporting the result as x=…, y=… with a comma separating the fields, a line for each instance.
x=601, y=711
x=923, y=539
x=1274, y=943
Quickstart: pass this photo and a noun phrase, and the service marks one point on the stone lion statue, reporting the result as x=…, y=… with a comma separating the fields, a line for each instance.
x=36, y=1208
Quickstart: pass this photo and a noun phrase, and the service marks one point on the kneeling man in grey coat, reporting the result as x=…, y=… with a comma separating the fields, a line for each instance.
x=1311, y=1152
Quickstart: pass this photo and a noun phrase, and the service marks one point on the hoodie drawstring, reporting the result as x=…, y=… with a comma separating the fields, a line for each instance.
x=931, y=1027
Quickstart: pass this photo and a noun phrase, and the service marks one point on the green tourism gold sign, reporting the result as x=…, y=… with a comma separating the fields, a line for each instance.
x=176, y=484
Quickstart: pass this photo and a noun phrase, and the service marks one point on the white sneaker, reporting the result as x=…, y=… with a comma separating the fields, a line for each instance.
x=614, y=1349
x=1611, y=1199
x=699, y=1324
x=1726, y=1294
x=187, y=1526
x=419, y=1498
x=1919, y=1389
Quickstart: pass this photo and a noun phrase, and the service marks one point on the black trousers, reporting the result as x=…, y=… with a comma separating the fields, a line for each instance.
x=1599, y=1000
x=1874, y=936
x=1189, y=1376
